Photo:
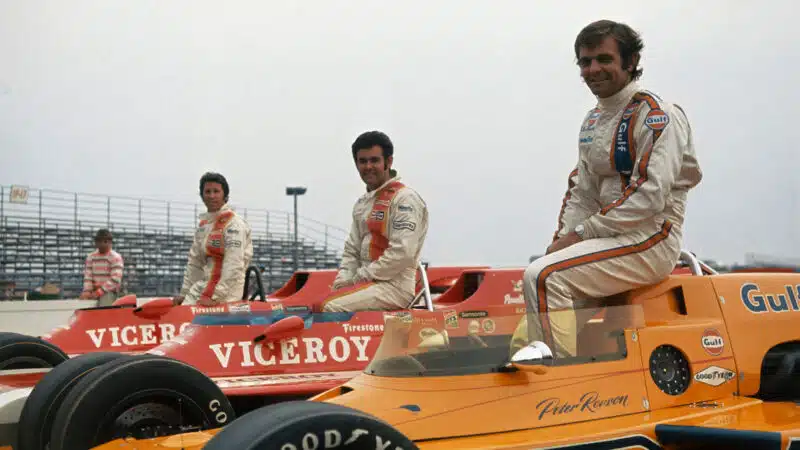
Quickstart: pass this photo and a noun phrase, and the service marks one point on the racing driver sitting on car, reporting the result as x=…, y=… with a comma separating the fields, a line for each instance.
x=382, y=251
x=221, y=251
x=621, y=221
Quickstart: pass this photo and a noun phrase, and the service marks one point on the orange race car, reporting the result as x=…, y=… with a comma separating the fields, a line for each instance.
x=701, y=360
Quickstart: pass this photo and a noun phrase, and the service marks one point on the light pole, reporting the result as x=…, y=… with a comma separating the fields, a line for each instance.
x=295, y=191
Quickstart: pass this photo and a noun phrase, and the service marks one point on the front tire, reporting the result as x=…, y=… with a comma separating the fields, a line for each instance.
x=142, y=396
x=36, y=419
x=308, y=424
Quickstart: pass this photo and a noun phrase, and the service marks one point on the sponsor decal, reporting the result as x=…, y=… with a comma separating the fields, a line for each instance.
x=382, y=202
x=714, y=375
x=377, y=215
x=363, y=328
x=474, y=327
x=216, y=242
x=427, y=332
x=233, y=243
x=589, y=402
x=208, y=309
x=656, y=120
x=291, y=351
x=451, y=319
x=518, y=299
x=629, y=111
x=271, y=380
x=405, y=208
x=591, y=120
x=712, y=342
x=488, y=325
x=333, y=438
x=759, y=302
x=145, y=334
x=472, y=314
x=296, y=308
x=404, y=225
x=232, y=231
x=239, y=309
x=586, y=140
x=277, y=307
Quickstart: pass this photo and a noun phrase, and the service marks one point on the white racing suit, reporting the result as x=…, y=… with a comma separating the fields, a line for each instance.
x=382, y=251
x=636, y=165
x=219, y=256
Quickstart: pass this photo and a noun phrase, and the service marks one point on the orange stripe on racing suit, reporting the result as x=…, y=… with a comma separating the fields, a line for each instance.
x=215, y=249
x=377, y=220
x=623, y=152
x=570, y=184
x=587, y=259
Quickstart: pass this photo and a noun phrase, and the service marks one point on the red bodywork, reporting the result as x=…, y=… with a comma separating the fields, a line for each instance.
x=257, y=353
x=126, y=328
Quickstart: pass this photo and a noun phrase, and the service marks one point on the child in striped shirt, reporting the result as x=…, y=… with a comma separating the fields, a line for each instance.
x=102, y=274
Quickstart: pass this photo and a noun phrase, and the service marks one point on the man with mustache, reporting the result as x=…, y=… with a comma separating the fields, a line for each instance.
x=390, y=223
x=620, y=225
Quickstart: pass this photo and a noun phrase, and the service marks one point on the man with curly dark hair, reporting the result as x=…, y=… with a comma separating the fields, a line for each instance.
x=620, y=226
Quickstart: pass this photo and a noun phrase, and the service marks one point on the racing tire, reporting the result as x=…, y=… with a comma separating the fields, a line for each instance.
x=36, y=420
x=20, y=351
x=299, y=425
x=139, y=396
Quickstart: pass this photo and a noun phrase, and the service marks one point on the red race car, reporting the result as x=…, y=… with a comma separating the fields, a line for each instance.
x=254, y=357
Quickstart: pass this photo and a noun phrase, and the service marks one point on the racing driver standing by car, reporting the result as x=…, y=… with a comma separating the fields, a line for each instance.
x=390, y=223
x=620, y=225
x=221, y=251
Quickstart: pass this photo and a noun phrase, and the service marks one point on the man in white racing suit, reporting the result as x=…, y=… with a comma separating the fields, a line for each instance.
x=221, y=251
x=620, y=225
x=382, y=251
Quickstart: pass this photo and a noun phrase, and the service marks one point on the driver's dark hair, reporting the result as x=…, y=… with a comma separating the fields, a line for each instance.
x=214, y=177
x=370, y=139
x=628, y=41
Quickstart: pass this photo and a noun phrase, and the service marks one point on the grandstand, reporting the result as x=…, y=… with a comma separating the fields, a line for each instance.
x=45, y=236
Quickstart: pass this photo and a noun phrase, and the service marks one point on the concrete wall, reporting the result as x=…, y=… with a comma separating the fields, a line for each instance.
x=40, y=316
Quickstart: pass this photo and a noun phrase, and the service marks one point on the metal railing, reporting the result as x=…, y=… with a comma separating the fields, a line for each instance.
x=50, y=211
x=82, y=210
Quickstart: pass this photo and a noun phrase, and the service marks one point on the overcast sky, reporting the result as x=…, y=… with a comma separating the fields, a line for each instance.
x=482, y=99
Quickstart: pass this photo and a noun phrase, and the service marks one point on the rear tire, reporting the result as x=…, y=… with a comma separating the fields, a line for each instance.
x=141, y=396
x=308, y=424
x=19, y=351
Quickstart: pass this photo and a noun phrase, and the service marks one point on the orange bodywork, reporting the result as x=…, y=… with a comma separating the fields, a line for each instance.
x=723, y=324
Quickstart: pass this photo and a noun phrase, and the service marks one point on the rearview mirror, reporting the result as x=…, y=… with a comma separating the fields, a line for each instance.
x=286, y=326
x=154, y=309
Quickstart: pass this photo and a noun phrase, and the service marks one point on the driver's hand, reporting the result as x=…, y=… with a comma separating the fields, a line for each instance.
x=205, y=301
x=177, y=300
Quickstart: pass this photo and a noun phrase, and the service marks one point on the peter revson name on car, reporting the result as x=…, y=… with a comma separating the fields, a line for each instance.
x=588, y=402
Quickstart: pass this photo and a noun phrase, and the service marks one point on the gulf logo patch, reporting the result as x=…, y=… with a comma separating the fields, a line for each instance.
x=712, y=342
x=656, y=120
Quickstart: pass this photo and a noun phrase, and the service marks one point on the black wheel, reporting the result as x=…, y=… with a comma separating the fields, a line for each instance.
x=307, y=424
x=669, y=369
x=142, y=397
x=36, y=419
x=19, y=351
